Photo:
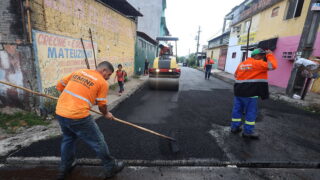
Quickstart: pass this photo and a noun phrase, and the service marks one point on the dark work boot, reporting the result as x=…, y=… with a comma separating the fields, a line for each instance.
x=236, y=130
x=62, y=174
x=250, y=136
x=118, y=166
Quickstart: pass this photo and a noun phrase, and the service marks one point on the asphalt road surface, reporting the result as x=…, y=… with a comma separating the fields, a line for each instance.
x=160, y=173
x=199, y=117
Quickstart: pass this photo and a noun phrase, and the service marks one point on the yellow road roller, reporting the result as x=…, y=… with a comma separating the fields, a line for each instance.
x=165, y=72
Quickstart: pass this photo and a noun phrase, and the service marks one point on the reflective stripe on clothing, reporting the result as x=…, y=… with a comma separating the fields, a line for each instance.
x=83, y=89
x=77, y=96
x=250, y=123
x=63, y=83
x=236, y=120
x=251, y=80
x=270, y=66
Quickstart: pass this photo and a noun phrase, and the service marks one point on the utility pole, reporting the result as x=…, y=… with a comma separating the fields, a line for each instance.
x=198, y=39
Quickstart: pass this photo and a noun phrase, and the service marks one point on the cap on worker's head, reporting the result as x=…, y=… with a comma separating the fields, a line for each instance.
x=258, y=51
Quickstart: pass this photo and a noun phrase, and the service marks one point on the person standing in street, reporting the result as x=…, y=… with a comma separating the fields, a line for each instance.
x=120, y=77
x=207, y=67
x=80, y=90
x=146, y=67
x=251, y=83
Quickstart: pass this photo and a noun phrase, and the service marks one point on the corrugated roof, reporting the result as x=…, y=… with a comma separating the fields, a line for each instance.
x=122, y=6
x=147, y=38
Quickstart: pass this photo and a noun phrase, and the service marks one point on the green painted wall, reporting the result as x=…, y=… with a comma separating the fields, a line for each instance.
x=143, y=50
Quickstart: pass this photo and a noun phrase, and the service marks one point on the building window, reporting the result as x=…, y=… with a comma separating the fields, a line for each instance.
x=294, y=8
x=246, y=26
x=234, y=55
x=244, y=56
x=144, y=45
x=236, y=29
x=275, y=12
x=140, y=42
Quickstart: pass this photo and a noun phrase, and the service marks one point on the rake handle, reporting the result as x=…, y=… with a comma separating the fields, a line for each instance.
x=115, y=119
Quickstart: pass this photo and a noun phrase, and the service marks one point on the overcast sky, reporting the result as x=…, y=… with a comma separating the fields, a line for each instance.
x=184, y=17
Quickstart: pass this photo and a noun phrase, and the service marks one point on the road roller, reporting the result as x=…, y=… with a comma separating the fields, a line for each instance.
x=165, y=72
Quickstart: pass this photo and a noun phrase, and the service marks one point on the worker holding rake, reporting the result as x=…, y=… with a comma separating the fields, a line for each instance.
x=80, y=90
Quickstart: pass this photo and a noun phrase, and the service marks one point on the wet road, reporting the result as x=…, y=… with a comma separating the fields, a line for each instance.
x=199, y=116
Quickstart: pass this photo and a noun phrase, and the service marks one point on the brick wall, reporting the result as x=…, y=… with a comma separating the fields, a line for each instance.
x=16, y=62
x=11, y=26
x=113, y=33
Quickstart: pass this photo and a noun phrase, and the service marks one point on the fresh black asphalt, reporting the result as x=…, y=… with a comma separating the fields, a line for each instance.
x=199, y=117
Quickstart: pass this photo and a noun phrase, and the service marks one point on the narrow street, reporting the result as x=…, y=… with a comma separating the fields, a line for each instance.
x=198, y=116
x=62, y=60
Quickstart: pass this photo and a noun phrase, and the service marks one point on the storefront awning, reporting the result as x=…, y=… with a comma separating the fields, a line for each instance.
x=268, y=44
x=251, y=47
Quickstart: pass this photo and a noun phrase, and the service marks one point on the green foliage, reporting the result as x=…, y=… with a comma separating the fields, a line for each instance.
x=113, y=86
x=50, y=104
x=181, y=59
x=192, y=60
x=12, y=122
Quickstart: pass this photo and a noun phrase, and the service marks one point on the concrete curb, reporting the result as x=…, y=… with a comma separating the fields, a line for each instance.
x=150, y=163
x=116, y=103
x=217, y=75
x=53, y=130
x=228, y=80
x=126, y=96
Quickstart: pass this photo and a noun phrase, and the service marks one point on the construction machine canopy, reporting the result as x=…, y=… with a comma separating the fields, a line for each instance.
x=167, y=38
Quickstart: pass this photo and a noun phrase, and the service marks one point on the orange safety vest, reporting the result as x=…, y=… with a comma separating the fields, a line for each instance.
x=81, y=90
x=252, y=77
x=208, y=63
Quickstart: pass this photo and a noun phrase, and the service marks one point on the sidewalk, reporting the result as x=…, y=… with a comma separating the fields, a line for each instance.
x=130, y=88
x=10, y=143
x=311, y=102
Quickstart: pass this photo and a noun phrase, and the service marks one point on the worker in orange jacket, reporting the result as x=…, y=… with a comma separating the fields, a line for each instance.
x=207, y=67
x=164, y=50
x=80, y=91
x=251, y=83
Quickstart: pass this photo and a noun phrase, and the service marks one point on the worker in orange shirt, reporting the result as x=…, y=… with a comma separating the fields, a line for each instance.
x=251, y=83
x=207, y=67
x=164, y=50
x=80, y=90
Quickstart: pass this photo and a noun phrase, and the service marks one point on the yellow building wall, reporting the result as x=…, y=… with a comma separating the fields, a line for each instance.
x=316, y=84
x=113, y=34
x=243, y=34
x=279, y=27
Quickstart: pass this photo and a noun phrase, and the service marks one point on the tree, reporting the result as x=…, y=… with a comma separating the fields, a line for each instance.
x=192, y=59
x=181, y=59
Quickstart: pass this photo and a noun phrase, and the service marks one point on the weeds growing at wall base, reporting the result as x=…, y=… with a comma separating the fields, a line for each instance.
x=11, y=123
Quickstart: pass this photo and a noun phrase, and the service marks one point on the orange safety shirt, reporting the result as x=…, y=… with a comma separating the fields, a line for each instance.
x=164, y=50
x=252, y=70
x=80, y=90
x=252, y=77
x=211, y=61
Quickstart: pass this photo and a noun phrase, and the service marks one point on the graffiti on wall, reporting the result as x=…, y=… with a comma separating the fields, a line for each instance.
x=10, y=71
x=113, y=32
x=57, y=56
